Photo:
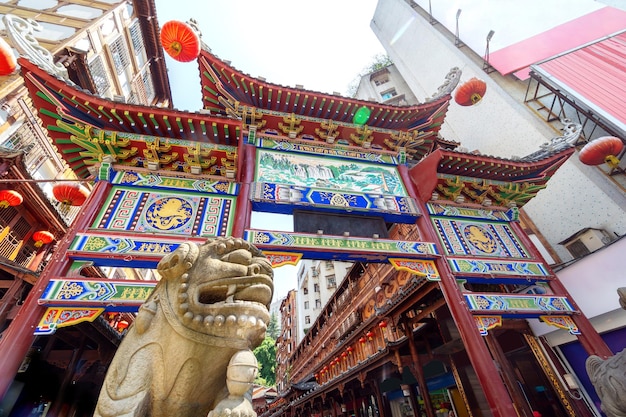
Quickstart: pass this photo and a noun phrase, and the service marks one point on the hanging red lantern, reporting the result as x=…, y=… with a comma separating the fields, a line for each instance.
x=369, y=335
x=10, y=198
x=70, y=194
x=382, y=324
x=362, y=340
x=122, y=325
x=180, y=41
x=8, y=63
x=42, y=237
x=602, y=150
x=470, y=92
x=350, y=349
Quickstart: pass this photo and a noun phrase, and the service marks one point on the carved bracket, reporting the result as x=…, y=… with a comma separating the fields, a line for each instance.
x=57, y=317
x=486, y=323
x=562, y=322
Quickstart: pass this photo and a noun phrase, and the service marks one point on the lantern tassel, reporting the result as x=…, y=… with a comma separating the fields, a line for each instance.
x=612, y=161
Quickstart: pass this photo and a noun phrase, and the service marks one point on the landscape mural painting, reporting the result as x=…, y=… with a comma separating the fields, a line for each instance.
x=325, y=172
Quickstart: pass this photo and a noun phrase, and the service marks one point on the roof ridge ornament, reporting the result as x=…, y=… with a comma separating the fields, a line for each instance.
x=571, y=133
x=21, y=32
x=451, y=81
x=193, y=23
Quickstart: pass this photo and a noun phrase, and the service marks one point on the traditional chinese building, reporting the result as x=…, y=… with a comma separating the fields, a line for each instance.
x=444, y=276
x=107, y=48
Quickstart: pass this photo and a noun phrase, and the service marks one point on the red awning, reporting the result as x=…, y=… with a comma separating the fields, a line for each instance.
x=594, y=74
x=518, y=57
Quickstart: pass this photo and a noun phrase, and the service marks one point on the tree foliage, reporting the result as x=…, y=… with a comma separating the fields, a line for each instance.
x=266, y=357
x=272, y=327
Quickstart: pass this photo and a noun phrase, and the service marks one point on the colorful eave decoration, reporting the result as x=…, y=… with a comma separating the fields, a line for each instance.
x=85, y=128
x=227, y=90
x=485, y=180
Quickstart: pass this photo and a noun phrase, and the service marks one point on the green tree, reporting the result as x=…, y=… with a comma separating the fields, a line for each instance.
x=272, y=327
x=266, y=357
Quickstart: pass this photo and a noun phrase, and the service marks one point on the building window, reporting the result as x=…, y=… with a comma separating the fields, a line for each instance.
x=330, y=281
x=316, y=287
x=318, y=303
x=119, y=55
x=146, y=76
x=305, y=290
x=306, y=305
x=99, y=75
x=381, y=80
x=386, y=95
x=307, y=319
x=13, y=246
x=136, y=38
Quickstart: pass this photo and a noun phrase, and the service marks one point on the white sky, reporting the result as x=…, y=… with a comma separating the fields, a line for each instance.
x=322, y=45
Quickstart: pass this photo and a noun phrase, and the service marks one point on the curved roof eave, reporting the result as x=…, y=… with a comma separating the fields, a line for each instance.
x=220, y=79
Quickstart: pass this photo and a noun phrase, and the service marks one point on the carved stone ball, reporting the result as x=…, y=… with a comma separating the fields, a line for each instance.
x=241, y=372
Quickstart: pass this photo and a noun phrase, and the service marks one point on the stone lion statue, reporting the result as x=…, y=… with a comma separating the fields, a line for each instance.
x=188, y=353
x=609, y=376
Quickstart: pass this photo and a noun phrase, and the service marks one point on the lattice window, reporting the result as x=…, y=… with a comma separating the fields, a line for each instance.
x=139, y=91
x=99, y=75
x=6, y=215
x=14, y=237
x=138, y=44
x=26, y=254
x=119, y=53
x=148, y=86
x=136, y=37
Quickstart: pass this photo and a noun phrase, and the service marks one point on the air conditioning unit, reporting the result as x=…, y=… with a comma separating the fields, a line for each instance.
x=586, y=241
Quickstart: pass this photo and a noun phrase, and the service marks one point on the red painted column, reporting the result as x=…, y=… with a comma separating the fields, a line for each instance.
x=488, y=376
x=589, y=338
x=19, y=336
x=243, y=211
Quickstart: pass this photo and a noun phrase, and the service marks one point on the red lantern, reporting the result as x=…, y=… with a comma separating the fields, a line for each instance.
x=122, y=325
x=7, y=59
x=350, y=349
x=362, y=340
x=470, y=92
x=10, y=198
x=382, y=324
x=369, y=335
x=42, y=237
x=344, y=355
x=602, y=150
x=70, y=194
x=180, y=41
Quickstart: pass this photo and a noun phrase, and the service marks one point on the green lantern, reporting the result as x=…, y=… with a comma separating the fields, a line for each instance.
x=361, y=116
